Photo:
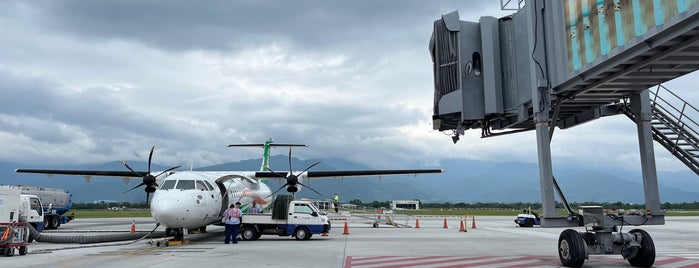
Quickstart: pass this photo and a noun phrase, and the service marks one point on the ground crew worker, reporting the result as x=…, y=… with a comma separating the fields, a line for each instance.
x=232, y=216
x=336, y=202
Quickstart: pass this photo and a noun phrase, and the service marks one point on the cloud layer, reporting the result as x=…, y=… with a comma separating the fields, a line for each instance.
x=86, y=82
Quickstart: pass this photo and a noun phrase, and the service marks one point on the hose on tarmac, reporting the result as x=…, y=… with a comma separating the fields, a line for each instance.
x=89, y=239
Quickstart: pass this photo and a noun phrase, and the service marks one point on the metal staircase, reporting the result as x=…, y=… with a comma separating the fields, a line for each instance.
x=673, y=127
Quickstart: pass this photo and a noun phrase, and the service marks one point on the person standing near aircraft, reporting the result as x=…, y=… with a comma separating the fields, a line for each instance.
x=254, y=208
x=336, y=202
x=232, y=216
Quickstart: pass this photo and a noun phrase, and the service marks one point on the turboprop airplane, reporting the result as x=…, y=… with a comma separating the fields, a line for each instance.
x=195, y=199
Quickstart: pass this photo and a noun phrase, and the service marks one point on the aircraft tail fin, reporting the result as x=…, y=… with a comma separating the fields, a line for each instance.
x=265, y=154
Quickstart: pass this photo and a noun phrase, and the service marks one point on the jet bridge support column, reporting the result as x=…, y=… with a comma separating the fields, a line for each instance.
x=643, y=113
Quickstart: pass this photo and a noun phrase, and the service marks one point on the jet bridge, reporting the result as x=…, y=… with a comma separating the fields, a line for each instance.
x=563, y=63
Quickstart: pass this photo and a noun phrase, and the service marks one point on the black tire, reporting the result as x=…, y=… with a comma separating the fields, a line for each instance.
x=302, y=233
x=9, y=251
x=645, y=257
x=528, y=222
x=23, y=250
x=571, y=248
x=46, y=223
x=55, y=222
x=249, y=233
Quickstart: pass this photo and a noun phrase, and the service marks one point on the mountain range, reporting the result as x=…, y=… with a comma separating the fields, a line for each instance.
x=464, y=181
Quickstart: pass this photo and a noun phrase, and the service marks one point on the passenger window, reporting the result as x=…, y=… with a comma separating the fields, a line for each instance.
x=185, y=184
x=168, y=184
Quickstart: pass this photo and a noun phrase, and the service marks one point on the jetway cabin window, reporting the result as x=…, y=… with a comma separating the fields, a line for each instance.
x=168, y=184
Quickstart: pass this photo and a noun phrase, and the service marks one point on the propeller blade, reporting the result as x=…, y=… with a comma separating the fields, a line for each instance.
x=309, y=167
x=150, y=156
x=127, y=166
x=290, y=169
x=169, y=169
x=139, y=185
x=309, y=187
x=276, y=191
x=275, y=173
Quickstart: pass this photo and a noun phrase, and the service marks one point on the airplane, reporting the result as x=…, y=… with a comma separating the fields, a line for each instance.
x=195, y=199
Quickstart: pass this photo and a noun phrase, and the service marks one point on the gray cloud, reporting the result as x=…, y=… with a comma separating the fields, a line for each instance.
x=92, y=81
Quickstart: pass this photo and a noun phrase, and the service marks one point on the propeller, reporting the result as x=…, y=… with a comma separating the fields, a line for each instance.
x=292, y=180
x=148, y=180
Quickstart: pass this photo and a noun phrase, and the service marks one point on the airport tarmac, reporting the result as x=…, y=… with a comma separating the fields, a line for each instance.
x=495, y=242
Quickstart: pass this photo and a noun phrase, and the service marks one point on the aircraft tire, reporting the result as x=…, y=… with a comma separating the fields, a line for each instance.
x=645, y=257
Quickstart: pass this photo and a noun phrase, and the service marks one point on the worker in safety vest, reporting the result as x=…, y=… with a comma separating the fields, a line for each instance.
x=336, y=202
x=232, y=218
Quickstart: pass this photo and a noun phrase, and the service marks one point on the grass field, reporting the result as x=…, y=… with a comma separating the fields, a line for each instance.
x=104, y=213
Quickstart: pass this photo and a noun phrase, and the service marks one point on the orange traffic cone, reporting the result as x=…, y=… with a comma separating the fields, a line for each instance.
x=473, y=223
x=346, y=229
x=133, y=226
x=445, y=223
x=462, y=228
x=417, y=223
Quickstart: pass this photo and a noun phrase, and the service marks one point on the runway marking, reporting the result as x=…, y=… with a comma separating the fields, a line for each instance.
x=501, y=261
x=150, y=251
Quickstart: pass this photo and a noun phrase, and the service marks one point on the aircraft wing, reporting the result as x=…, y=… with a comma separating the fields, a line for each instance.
x=352, y=173
x=108, y=173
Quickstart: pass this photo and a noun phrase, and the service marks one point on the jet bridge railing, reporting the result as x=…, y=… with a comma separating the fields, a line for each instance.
x=672, y=125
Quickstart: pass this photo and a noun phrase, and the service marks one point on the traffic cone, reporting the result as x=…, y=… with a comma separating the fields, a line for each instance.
x=417, y=223
x=346, y=229
x=133, y=226
x=462, y=228
x=445, y=223
x=473, y=223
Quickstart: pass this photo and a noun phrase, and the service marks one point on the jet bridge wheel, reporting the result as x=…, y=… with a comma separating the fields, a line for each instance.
x=571, y=248
x=645, y=255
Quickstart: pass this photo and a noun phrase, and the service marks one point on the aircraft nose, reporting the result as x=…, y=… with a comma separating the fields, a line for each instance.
x=168, y=211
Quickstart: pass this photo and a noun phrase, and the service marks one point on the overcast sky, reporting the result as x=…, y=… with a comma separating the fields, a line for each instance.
x=97, y=81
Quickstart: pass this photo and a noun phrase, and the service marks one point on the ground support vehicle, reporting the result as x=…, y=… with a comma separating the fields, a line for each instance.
x=527, y=219
x=603, y=235
x=14, y=236
x=300, y=219
x=57, y=203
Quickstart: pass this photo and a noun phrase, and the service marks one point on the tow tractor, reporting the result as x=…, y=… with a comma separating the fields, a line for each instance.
x=603, y=235
x=528, y=218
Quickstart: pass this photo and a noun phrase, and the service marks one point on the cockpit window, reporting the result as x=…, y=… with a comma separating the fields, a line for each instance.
x=168, y=184
x=201, y=186
x=185, y=184
x=209, y=184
